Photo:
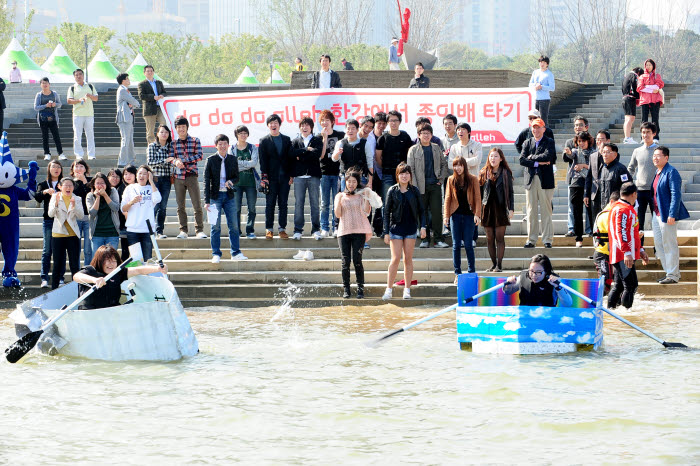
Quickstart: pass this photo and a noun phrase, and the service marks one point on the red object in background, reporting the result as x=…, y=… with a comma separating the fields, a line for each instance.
x=405, y=26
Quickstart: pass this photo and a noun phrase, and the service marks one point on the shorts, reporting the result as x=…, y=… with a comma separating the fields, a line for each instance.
x=629, y=105
x=399, y=237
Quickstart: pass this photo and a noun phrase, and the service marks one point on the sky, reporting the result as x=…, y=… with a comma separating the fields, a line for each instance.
x=654, y=12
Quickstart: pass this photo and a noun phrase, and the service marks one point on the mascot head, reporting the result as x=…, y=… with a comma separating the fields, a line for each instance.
x=10, y=174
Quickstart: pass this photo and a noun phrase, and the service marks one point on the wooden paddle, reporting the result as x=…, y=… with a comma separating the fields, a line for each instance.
x=432, y=316
x=24, y=345
x=623, y=320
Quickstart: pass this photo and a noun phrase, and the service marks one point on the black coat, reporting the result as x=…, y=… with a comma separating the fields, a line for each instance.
x=335, y=80
x=422, y=82
x=393, y=209
x=2, y=96
x=503, y=183
x=595, y=165
x=307, y=160
x=40, y=197
x=148, y=98
x=526, y=134
x=212, y=172
x=611, y=178
x=276, y=166
x=545, y=152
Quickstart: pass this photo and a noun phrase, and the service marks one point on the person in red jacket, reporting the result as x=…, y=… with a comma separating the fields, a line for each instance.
x=625, y=247
x=649, y=87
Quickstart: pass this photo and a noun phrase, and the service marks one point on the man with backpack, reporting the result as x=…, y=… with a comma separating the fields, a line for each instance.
x=81, y=95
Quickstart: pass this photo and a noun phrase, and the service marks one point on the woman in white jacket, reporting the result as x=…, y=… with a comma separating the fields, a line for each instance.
x=66, y=209
x=138, y=201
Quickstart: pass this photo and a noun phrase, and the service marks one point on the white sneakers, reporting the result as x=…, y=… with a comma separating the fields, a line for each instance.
x=182, y=235
x=45, y=284
x=424, y=244
x=202, y=235
x=47, y=156
x=579, y=244
x=387, y=294
x=62, y=157
x=406, y=293
x=91, y=157
x=239, y=257
x=296, y=236
x=162, y=236
x=303, y=255
x=473, y=243
x=441, y=245
x=215, y=259
x=629, y=141
x=317, y=236
x=324, y=233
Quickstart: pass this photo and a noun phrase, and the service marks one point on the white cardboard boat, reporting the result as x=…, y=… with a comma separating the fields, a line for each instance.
x=154, y=327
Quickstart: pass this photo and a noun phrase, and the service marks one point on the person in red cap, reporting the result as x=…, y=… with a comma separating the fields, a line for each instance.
x=538, y=157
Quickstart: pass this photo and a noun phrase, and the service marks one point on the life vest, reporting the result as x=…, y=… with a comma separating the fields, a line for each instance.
x=600, y=230
x=536, y=294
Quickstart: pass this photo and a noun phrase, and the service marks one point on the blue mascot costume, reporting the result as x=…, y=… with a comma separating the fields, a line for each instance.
x=10, y=195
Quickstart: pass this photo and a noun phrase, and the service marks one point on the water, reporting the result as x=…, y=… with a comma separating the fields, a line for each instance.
x=284, y=385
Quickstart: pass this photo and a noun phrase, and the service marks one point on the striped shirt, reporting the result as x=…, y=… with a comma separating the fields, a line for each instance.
x=157, y=155
x=189, y=152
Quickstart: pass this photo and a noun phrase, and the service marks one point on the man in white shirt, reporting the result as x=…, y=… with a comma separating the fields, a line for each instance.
x=326, y=78
x=81, y=95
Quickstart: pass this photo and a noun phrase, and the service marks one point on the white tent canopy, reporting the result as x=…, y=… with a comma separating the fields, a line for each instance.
x=60, y=65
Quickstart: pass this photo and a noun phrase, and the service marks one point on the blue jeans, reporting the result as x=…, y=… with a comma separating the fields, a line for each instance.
x=329, y=188
x=84, y=227
x=251, y=196
x=301, y=187
x=46, y=250
x=462, y=228
x=98, y=241
x=388, y=180
x=228, y=207
x=163, y=185
x=144, y=239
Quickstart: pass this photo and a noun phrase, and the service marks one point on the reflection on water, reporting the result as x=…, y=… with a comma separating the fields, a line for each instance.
x=280, y=384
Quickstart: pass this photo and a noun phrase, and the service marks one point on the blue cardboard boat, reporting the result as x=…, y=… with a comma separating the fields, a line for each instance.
x=496, y=323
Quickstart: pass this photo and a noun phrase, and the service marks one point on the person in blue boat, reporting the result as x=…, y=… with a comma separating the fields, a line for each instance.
x=538, y=285
x=104, y=261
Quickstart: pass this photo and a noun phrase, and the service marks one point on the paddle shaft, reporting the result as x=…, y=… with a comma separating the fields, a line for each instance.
x=155, y=243
x=620, y=318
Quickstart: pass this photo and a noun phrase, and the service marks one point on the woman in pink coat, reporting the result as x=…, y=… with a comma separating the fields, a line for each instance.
x=650, y=95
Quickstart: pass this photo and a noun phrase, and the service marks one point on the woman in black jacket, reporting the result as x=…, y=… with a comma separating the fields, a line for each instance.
x=79, y=171
x=46, y=189
x=403, y=215
x=496, y=180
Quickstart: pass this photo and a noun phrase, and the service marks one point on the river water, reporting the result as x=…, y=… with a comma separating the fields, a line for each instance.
x=279, y=385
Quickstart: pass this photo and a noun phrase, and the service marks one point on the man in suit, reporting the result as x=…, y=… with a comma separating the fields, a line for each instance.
x=538, y=157
x=668, y=209
x=326, y=78
x=125, y=120
x=150, y=92
x=590, y=191
x=275, y=173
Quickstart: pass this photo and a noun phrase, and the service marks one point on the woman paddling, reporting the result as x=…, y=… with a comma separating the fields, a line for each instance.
x=104, y=261
x=539, y=285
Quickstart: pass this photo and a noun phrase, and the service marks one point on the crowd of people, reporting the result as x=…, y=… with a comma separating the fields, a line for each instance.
x=372, y=179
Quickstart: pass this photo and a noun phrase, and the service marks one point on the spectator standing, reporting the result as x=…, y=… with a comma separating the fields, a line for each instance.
x=613, y=174
x=151, y=92
x=526, y=133
x=471, y=151
x=462, y=212
x=380, y=124
x=65, y=208
x=246, y=155
x=160, y=161
x=542, y=80
x=325, y=78
x=103, y=207
x=449, y=123
x=403, y=215
x=117, y=180
x=44, y=193
x=498, y=200
x=15, y=74
x=392, y=149
x=642, y=168
x=366, y=132
x=46, y=102
x=538, y=157
x=579, y=164
x=350, y=153
x=630, y=99
x=298, y=66
x=591, y=198
x=419, y=79
x=185, y=152
x=329, y=171
x=394, y=55
x=220, y=178
x=668, y=210
x=347, y=66
x=650, y=94
x=81, y=96
x=352, y=209
x=79, y=171
x=625, y=247
x=276, y=174
x=580, y=125
x=306, y=155
x=125, y=120
x=601, y=240
x=430, y=168
x=137, y=204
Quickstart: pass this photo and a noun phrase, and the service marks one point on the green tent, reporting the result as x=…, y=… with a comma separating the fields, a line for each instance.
x=31, y=72
x=276, y=78
x=136, y=70
x=60, y=66
x=101, y=70
x=247, y=77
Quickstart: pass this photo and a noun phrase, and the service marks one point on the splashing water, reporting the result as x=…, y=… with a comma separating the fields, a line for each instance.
x=289, y=294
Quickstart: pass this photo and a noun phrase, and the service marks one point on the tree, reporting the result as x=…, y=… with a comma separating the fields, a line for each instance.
x=74, y=35
x=7, y=23
x=429, y=22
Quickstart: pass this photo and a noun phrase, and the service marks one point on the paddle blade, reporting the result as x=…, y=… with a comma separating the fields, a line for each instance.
x=673, y=345
x=383, y=338
x=21, y=347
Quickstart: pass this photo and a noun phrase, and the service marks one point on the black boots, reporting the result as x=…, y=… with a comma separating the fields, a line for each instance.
x=360, y=291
